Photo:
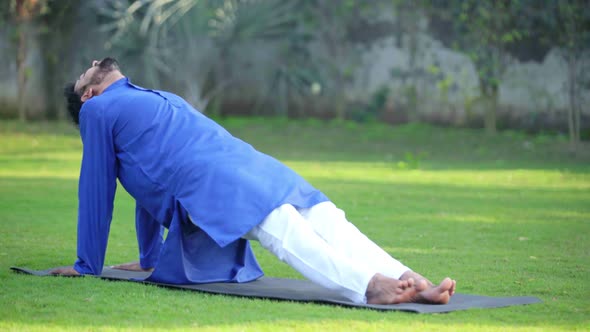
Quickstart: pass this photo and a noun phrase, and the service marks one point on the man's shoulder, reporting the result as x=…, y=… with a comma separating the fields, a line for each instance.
x=91, y=107
x=102, y=106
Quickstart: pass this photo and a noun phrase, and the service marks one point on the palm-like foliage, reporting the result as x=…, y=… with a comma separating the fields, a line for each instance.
x=196, y=45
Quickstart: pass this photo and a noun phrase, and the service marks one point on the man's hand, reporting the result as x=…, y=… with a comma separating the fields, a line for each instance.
x=133, y=266
x=64, y=271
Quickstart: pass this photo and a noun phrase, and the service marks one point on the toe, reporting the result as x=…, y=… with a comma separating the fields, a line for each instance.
x=446, y=284
x=453, y=287
x=421, y=285
x=403, y=284
x=406, y=296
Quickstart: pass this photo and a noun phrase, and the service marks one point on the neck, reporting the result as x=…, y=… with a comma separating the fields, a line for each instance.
x=109, y=79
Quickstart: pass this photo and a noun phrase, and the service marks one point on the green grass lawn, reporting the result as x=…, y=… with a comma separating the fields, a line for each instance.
x=505, y=216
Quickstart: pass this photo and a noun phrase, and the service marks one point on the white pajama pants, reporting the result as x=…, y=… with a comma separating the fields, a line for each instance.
x=325, y=248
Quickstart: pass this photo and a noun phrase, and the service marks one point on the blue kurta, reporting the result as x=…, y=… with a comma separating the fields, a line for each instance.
x=176, y=162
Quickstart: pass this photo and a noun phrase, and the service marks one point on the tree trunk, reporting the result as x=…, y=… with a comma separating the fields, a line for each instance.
x=338, y=85
x=491, y=105
x=51, y=78
x=412, y=30
x=331, y=37
x=412, y=94
x=578, y=117
x=21, y=56
x=573, y=111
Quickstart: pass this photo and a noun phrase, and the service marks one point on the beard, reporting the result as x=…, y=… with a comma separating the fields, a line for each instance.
x=108, y=64
x=105, y=66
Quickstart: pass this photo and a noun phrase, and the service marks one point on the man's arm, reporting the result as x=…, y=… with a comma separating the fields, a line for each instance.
x=96, y=190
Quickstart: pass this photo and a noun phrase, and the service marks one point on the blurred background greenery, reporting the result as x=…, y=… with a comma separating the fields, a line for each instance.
x=511, y=64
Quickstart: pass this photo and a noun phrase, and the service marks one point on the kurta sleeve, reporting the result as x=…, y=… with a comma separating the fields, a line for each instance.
x=149, y=237
x=96, y=189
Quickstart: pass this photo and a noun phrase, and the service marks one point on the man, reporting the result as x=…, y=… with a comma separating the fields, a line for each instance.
x=213, y=192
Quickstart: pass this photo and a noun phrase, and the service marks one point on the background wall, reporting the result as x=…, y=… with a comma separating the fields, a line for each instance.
x=394, y=61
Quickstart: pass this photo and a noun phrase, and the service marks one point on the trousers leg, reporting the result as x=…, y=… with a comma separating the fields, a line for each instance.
x=290, y=237
x=330, y=223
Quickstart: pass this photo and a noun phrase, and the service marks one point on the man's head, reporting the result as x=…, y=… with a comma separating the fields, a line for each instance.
x=91, y=83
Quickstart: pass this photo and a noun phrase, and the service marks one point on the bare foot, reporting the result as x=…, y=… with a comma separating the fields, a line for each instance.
x=133, y=266
x=430, y=293
x=440, y=294
x=384, y=290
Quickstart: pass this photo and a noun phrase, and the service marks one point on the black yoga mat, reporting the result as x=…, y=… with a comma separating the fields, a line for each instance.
x=306, y=291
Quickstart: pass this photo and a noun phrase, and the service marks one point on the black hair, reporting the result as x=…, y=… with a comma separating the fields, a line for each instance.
x=73, y=103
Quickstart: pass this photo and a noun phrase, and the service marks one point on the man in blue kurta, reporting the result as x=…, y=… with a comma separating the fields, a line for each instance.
x=214, y=193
